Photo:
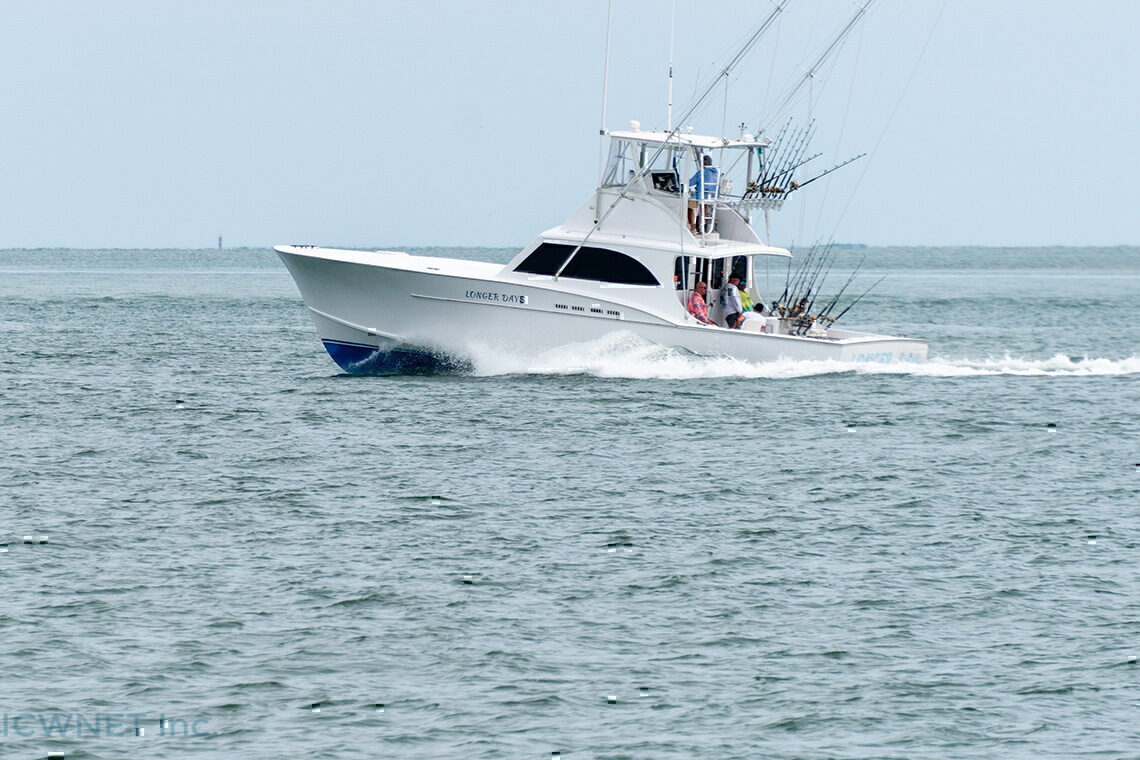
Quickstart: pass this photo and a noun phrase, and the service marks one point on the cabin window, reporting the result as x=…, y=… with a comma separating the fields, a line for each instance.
x=546, y=259
x=590, y=263
x=689, y=270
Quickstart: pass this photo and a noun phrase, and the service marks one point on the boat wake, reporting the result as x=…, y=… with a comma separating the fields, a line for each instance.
x=625, y=355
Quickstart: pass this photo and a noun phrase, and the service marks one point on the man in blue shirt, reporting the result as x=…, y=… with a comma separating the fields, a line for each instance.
x=702, y=187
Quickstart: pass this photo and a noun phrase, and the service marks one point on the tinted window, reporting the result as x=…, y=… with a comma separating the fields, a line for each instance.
x=590, y=263
x=546, y=259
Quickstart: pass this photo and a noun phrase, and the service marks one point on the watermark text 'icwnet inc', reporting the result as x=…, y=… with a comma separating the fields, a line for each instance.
x=99, y=724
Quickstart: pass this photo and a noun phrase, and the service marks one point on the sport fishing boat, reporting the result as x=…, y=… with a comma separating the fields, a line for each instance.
x=629, y=259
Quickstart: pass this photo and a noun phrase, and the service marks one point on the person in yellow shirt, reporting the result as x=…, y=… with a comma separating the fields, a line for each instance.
x=745, y=299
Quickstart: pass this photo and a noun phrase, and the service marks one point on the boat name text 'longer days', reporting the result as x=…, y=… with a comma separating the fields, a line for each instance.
x=483, y=295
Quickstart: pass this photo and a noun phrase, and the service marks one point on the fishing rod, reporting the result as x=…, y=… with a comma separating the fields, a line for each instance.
x=801, y=274
x=787, y=172
x=774, y=158
x=777, y=147
x=778, y=304
x=829, y=171
x=800, y=142
x=830, y=263
x=785, y=148
x=787, y=277
x=795, y=278
x=857, y=300
x=831, y=305
x=813, y=275
x=809, y=133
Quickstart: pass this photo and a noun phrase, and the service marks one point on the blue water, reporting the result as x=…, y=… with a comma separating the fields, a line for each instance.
x=753, y=561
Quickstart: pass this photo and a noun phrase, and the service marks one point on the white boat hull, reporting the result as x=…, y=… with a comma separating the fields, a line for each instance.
x=382, y=312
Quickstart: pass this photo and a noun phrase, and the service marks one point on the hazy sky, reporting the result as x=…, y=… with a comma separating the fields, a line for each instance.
x=385, y=124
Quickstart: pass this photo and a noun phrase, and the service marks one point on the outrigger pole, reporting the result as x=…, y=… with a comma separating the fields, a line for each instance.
x=810, y=72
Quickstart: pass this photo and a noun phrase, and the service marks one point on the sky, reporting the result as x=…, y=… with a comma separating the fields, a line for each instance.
x=397, y=124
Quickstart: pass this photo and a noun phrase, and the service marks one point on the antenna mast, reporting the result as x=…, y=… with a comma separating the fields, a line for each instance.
x=605, y=89
x=669, y=101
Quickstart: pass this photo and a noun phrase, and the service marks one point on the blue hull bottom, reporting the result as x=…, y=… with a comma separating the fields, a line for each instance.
x=362, y=359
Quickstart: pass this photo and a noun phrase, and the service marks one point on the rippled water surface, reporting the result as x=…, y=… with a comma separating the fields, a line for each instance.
x=609, y=551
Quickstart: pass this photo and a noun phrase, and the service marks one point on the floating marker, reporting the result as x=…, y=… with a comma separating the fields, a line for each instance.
x=468, y=579
x=555, y=755
x=645, y=691
x=1131, y=659
x=43, y=539
x=316, y=707
x=55, y=756
x=612, y=699
x=436, y=501
x=1051, y=427
x=139, y=731
x=1092, y=540
x=379, y=707
x=29, y=539
x=850, y=427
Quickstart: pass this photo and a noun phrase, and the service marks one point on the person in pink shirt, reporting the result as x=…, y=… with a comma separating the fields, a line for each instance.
x=697, y=306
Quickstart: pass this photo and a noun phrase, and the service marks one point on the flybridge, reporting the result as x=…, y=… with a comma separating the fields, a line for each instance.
x=710, y=175
x=745, y=141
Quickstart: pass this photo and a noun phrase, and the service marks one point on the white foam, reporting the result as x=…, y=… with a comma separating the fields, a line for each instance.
x=625, y=355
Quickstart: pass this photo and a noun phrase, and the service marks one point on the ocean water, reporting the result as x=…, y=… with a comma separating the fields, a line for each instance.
x=216, y=545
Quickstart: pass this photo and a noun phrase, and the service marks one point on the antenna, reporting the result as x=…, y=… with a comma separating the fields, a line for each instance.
x=669, y=101
x=605, y=92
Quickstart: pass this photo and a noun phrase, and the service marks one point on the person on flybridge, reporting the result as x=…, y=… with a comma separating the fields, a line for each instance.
x=702, y=186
